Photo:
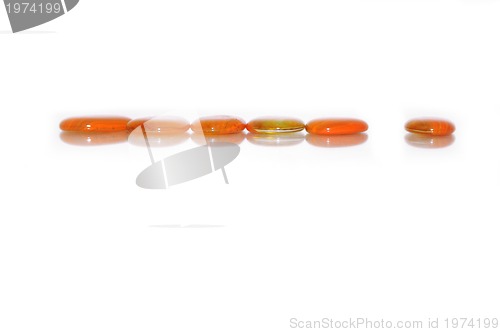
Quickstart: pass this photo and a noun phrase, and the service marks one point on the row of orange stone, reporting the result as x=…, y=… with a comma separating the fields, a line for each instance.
x=222, y=125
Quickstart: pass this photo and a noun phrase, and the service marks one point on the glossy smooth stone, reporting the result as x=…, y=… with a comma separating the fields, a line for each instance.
x=336, y=141
x=160, y=124
x=429, y=141
x=95, y=124
x=270, y=125
x=285, y=139
x=430, y=126
x=218, y=125
x=93, y=138
x=333, y=126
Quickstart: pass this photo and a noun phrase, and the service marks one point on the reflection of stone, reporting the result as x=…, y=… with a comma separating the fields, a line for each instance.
x=333, y=126
x=93, y=138
x=429, y=142
x=158, y=140
x=218, y=125
x=95, y=124
x=285, y=139
x=336, y=141
x=435, y=127
x=273, y=125
x=201, y=139
x=160, y=124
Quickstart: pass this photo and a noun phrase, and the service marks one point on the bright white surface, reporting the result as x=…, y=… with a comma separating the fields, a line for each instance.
x=381, y=230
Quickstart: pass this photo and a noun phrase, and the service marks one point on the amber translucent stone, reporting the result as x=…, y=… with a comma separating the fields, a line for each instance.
x=95, y=124
x=429, y=126
x=218, y=125
x=332, y=126
x=162, y=124
x=268, y=125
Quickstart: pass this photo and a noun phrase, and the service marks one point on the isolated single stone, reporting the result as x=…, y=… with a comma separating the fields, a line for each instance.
x=161, y=124
x=334, y=126
x=271, y=125
x=218, y=125
x=430, y=126
x=96, y=123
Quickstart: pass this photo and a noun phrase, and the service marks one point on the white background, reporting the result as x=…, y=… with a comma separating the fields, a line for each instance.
x=382, y=230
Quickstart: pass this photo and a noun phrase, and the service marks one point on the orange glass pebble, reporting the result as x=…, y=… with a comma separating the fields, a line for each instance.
x=429, y=126
x=332, y=126
x=95, y=124
x=268, y=125
x=161, y=124
x=218, y=125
